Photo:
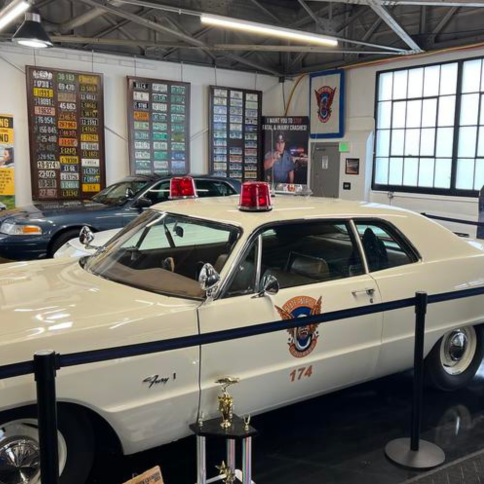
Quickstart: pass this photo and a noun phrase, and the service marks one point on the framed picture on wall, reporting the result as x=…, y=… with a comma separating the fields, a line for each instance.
x=235, y=143
x=66, y=131
x=327, y=104
x=352, y=166
x=158, y=126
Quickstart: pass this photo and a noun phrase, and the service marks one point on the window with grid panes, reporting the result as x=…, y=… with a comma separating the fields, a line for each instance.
x=415, y=128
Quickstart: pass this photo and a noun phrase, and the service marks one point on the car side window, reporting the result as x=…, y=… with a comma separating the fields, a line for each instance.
x=159, y=192
x=383, y=247
x=213, y=188
x=299, y=254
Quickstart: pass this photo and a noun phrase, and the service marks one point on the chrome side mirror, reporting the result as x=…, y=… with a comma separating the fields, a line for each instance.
x=86, y=236
x=269, y=286
x=208, y=277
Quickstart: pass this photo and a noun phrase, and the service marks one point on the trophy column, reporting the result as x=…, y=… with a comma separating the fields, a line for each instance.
x=239, y=430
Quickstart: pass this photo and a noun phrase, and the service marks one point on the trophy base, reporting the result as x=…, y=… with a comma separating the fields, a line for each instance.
x=238, y=478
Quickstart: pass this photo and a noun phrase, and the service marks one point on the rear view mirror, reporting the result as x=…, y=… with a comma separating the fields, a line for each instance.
x=129, y=193
x=86, y=236
x=142, y=202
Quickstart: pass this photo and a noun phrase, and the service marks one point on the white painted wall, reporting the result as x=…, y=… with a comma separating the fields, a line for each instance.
x=13, y=100
x=360, y=124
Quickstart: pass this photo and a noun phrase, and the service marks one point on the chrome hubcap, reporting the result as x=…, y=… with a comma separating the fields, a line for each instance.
x=458, y=349
x=19, y=461
x=20, y=452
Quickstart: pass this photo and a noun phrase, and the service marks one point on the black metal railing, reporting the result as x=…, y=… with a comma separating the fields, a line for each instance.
x=45, y=364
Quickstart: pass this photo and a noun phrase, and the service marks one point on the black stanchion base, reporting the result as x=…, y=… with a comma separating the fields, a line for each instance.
x=428, y=456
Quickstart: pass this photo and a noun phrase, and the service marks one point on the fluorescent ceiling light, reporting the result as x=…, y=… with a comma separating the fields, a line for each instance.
x=265, y=29
x=12, y=11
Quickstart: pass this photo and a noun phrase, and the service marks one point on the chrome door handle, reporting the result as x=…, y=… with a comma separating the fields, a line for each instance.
x=368, y=290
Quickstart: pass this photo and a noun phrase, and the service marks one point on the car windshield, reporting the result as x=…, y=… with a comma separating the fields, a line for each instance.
x=164, y=253
x=117, y=194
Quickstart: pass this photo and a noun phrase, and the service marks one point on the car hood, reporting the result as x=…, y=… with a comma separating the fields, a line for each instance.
x=71, y=310
x=74, y=248
x=41, y=210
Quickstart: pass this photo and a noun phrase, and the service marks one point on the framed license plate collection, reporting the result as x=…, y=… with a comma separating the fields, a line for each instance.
x=235, y=133
x=158, y=126
x=66, y=128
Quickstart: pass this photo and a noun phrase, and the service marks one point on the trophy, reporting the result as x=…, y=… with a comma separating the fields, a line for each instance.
x=247, y=422
x=226, y=402
x=225, y=469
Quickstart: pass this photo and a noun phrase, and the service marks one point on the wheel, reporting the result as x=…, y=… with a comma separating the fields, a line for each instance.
x=20, y=451
x=455, y=358
x=61, y=239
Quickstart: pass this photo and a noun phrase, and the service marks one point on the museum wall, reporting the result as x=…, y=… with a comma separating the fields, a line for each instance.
x=115, y=69
x=360, y=123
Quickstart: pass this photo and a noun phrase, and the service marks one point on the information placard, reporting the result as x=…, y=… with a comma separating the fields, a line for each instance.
x=7, y=163
x=158, y=126
x=66, y=128
x=235, y=132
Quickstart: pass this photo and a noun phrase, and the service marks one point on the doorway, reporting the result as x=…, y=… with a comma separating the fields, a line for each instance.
x=325, y=166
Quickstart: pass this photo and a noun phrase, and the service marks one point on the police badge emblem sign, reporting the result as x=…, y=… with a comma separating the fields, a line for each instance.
x=302, y=340
x=326, y=101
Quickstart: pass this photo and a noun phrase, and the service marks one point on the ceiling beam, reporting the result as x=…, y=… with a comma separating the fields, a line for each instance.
x=443, y=23
x=392, y=22
x=341, y=39
x=430, y=3
x=266, y=11
x=75, y=39
x=176, y=33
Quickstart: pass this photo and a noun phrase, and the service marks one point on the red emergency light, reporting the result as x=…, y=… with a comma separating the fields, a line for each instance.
x=182, y=187
x=255, y=197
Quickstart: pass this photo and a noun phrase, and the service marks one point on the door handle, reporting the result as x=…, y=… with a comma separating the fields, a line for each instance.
x=368, y=290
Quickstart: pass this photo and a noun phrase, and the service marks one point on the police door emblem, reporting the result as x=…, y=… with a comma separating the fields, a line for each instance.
x=324, y=99
x=302, y=340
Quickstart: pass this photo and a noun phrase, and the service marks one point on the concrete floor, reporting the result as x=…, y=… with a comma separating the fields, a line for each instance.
x=334, y=439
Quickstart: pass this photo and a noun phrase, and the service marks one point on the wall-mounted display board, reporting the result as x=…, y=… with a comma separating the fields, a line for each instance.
x=7, y=162
x=235, y=133
x=66, y=128
x=158, y=126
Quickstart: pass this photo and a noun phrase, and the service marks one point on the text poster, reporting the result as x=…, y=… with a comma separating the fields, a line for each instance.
x=285, y=161
x=326, y=102
x=7, y=163
x=66, y=126
x=159, y=126
x=235, y=133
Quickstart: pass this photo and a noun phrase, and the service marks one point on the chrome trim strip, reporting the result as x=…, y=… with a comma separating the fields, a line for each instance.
x=356, y=236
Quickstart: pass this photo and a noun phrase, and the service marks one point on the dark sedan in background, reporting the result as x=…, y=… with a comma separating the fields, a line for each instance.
x=37, y=231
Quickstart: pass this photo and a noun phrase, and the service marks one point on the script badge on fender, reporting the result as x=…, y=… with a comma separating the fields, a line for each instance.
x=302, y=340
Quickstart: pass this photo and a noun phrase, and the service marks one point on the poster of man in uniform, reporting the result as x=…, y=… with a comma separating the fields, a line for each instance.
x=326, y=102
x=7, y=188
x=286, y=150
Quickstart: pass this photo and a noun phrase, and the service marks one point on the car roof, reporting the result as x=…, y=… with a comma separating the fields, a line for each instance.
x=432, y=240
x=285, y=208
x=156, y=177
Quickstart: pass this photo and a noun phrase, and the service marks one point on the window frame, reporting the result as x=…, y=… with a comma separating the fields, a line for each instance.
x=452, y=191
x=256, y=237
x=395, y=232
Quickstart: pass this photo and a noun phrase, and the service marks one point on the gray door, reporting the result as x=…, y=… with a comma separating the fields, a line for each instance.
x=325, y=162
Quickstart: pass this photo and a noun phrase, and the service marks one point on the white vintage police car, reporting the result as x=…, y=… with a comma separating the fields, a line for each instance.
x=305, y=256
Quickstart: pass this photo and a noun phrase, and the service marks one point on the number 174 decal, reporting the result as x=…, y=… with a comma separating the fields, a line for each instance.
x=300, y=373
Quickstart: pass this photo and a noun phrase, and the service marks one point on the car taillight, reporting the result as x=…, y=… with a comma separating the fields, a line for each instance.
x=182, y=187
x=255, y=197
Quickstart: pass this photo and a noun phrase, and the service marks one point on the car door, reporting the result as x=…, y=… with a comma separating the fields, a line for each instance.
x=319, y=269
x=392, y=262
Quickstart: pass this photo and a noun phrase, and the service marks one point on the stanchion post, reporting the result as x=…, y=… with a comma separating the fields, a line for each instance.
x=45, y=372
x=414, y=453
x=421, y=300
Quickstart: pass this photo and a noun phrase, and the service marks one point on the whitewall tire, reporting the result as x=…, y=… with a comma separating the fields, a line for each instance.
x=455, y=358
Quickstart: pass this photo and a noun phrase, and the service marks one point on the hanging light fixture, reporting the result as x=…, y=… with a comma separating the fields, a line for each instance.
x=31, y=33
x=12, y=11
